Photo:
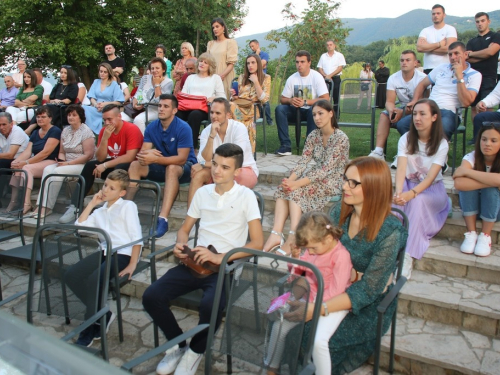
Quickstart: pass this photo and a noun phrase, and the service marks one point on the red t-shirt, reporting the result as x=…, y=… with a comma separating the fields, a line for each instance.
x=129, y=138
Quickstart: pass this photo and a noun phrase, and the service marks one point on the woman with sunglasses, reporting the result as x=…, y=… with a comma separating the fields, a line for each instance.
x=478, y=182
x=310, y=187
x=420, y=190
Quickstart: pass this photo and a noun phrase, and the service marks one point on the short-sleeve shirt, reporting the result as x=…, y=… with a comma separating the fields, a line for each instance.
x=419, y=164
x=72, y=141
x=8, y=97
x=444, y=92
x=118, y=62
x=236, y=133
x=487, y=67
x=47, y=87
x=471, y=158
x=433, y=35
x=16, y=137
x=264, y=56
x=178, y=135
x=38, y=91
x=330, y=63
x=39, y=143
x=404, y=90
x=224, y=218
x=312, y=86
x=128, y=138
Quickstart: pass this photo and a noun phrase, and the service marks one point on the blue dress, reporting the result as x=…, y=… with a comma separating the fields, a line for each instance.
x=111, y=93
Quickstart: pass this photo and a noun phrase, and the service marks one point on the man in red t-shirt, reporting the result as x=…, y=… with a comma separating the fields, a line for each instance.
x=118, y=144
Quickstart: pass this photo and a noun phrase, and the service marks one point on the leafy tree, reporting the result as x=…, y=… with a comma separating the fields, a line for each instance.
x=393, y=52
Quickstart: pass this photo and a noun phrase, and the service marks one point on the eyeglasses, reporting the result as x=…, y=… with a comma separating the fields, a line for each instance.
x=66, y=66
x=352, y=183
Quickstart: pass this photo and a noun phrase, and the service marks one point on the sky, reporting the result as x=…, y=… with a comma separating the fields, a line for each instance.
x=265, y=15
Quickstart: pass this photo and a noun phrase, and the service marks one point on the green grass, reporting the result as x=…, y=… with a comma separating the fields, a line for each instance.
x=359, y=138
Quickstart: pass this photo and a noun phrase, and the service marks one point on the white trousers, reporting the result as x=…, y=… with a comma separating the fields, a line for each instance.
x=54, y=187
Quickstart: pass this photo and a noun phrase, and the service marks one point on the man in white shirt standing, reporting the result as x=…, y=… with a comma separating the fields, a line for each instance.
x=19, y=77
x=302, y=89
x=222, y=130
x=401, y=86
x=330, y=66
x=434, y=40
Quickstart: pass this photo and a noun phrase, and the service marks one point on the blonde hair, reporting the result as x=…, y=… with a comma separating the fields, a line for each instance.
x=314, y=226
x=209, y=59
x=189, y=47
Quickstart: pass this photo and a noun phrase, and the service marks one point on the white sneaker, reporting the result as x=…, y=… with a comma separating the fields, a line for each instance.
x=483, y=245
x=189, y=363
x=376, y=155
x=69, y=216
x=469, y=243
x=172, y=358
x=394, y=164
x=407, y=266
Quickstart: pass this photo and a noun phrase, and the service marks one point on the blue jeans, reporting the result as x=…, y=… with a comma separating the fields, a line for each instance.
x=484, y=117
x=267, y=112
x=483, y=202
x=447, y=119
x=285, y=113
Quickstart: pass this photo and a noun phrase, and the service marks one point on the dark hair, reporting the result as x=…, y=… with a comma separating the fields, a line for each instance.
x=314, y=226
x=171, y=97
x=302, y=53
x=78, y=109
x=161, y=61
x=479, y=163
x=70, y=75
x=457, y=44
x=381, y=61
x=331, y=40
x=480, y=14
x=221, y=22
x=38, y=70
x=437, y=133
x=327, y=105
x=253, y=41
x=110, y=107
x=43, y=109
x=109, y=44
x=34, y=79
x=260, y=71
x=120, y=175
x=409, y=51
x=230, y=150
x=227, y=105
x=162, y=47
x=439, y=6
x=7, y=115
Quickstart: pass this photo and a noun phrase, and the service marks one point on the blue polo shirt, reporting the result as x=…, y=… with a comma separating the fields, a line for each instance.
x=264, y=56
x=178, y=135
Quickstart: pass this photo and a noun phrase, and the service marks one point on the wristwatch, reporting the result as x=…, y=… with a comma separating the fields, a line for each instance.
x=157, y=85
x=325, y=307
x=461, y=81
x=305, y=102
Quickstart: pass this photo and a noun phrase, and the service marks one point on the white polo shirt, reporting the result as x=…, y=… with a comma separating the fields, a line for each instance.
x=330, y=63
x=404, y=90
x=444, y=92
x=433, y=35
x=236, y=133
x=224, y=218
x=16, y=137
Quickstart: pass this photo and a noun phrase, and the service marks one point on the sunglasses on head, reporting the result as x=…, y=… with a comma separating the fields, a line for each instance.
x=492, y=124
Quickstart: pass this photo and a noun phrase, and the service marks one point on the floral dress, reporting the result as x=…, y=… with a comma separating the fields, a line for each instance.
x=325, y=175
x=247, y=113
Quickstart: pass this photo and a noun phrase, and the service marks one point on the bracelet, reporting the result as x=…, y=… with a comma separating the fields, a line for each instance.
x=326, y=309
x=414, y=192
x=27, y=162
x=104, y=164
x=211, y=137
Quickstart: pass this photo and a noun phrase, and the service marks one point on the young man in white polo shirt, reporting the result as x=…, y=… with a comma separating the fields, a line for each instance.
x=330, y=66
x=228, y=212
x=222, y=130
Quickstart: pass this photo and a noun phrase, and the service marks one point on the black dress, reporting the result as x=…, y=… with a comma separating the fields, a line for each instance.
x=381, y=76
x=62, y=92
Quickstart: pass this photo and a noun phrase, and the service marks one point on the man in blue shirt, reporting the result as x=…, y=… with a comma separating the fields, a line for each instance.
x=170, y=160
x=8, y=94
x=264, y=57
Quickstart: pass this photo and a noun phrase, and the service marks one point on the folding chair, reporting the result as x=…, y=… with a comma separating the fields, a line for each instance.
x=12, y=203
x=460, y=128
x=61, y=250
x=350, y=95
x=59, y=187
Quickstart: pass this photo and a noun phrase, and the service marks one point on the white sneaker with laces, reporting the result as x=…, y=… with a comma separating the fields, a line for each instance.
x=172, y=358
x=483, y=245
x=69, y=216
x=376, y=155
x=407, y=266
x=189, y=363
x=469, y=243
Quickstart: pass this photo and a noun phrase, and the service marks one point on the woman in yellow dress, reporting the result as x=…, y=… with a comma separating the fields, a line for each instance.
x=253, y=87
x=225, y=52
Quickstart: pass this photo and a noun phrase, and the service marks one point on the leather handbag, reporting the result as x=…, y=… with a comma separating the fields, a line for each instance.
x=131, y=112
x=187, y=102
x=197, y=269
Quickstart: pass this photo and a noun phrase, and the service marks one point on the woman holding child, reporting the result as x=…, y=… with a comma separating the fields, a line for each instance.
x=310, y=188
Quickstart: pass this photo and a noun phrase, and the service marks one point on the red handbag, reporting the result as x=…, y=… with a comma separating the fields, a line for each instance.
x=188, y=102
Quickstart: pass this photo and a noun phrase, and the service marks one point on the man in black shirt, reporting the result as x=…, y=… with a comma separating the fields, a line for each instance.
x=482, y=54
x=117, y=63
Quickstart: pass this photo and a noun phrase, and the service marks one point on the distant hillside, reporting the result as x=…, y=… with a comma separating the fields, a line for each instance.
x=368, y=30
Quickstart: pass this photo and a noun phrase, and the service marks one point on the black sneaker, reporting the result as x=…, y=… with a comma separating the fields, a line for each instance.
x=283, y=151
x=86, y=337
x=110, y=317
x=471, y=142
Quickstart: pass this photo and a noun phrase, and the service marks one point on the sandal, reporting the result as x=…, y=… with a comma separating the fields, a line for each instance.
x=26, y=211
x=46, y=213
x=276, y=247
